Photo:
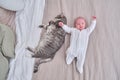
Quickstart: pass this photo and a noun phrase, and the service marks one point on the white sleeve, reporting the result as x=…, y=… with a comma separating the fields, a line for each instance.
x=92, y=26
x=67, y=29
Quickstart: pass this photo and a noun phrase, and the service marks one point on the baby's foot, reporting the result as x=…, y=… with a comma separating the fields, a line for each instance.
x=81, y=71
x=69, y=59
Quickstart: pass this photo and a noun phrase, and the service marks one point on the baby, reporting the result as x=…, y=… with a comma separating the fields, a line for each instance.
x=78, y=41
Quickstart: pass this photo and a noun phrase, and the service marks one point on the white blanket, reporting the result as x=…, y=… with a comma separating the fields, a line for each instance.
x=28, y=34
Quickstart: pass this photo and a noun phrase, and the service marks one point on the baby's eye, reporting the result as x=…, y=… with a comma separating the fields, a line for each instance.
x=78, y=24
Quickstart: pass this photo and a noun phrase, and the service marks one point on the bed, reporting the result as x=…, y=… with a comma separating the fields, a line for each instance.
x=103, y=53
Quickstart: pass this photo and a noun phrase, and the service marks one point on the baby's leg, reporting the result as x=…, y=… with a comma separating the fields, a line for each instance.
x=80, y=62
x=79, y=66
x=69, y=58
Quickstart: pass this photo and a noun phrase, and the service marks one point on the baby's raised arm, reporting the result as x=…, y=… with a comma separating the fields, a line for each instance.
x=93, y=25
x=65, y=27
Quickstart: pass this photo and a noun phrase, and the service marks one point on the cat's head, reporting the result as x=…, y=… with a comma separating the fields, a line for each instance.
x=60, y=18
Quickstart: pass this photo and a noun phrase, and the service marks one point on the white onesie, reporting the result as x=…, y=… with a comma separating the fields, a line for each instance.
x=78, y=44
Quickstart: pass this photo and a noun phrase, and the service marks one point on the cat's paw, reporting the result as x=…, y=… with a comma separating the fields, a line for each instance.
x=35, y=69
x=29, y=55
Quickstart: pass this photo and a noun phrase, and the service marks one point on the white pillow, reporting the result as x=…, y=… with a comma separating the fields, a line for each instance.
x=14, y=5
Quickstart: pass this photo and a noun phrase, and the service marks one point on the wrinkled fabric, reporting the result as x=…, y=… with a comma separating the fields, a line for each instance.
x=103, y=52
x=28, y=34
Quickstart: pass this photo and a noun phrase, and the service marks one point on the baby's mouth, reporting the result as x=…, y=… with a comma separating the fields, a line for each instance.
x=80, y=27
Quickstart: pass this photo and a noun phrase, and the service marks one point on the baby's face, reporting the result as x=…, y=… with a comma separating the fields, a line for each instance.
x=80, y=24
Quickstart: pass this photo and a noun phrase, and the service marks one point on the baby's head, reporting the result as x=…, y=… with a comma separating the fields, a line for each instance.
x=80, y=23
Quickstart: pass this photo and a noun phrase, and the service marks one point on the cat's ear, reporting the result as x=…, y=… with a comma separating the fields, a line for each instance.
x=41, y=26
x=51, y=22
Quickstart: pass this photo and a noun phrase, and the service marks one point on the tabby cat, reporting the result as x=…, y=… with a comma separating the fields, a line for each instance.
x=51, y=41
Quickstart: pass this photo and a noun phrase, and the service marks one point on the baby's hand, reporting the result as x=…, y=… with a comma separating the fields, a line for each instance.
x=94, y=17
x=60, y=24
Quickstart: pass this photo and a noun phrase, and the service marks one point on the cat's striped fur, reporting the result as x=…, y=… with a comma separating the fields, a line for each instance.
x=50, y=42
